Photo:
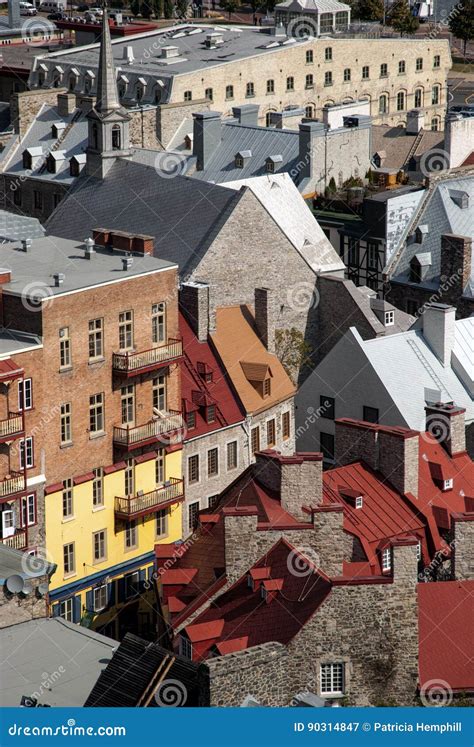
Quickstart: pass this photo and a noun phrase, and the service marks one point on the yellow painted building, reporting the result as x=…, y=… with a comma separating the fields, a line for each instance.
x=104, y=550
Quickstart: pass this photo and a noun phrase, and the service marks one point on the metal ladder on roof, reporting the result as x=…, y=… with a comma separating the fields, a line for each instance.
x=414, y=147
x=428, y=367
x=77, y=115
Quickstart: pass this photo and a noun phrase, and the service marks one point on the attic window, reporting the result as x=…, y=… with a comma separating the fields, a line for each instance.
x=210, y=413
x=27, y=160
x=241, y=157
x=386, y=559
x=205, y=372
x=448, y=484
x=239, y=162
x=389, y=318
x=270, y=167
x=267, y=387
x=359, y=501
x=185, y=647
x=263, y=593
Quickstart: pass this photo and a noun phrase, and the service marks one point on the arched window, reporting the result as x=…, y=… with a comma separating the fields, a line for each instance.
x=418, y=103
x=116, y=138
x=209, y=94
x=188, y=95
x=435, y=97
x=309, y=111
x=383, y=104
x=400, y=101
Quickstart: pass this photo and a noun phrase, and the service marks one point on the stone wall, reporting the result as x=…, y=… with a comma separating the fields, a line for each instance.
x=463, y=565
x=16, y=608
x=170, y=116
x=26, y=105
x=143, y=129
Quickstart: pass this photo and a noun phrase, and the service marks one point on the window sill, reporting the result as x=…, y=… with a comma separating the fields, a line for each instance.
x=66, y=445
x=250, y=96
x=69, y=575
x=98, y=508
x=99, y=434
x=309, y=88
x=328, y=85
x=98, y=562
x=65, y=369
x=333, y=696
x=67, y=519
x=94, y=361
x=131, y=549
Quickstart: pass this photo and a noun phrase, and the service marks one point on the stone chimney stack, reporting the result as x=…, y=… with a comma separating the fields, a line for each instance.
x=247, y=114
x=329, y=536
x=463, y=560
x=311, y=136
x=207, y=136
x=438, y=330
x=356, y=441
x=405, y=563
x=265, y=316
x=447, y=424
x=415, y=121
x=66, y=104
x=298, y=479
x=194, y=301
x=456, y=262
x=240, y=530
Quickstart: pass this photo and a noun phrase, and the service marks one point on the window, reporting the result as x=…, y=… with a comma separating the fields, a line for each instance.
x=370, y=414
x=285, y=425
x=231, y=455
x=96, y=347
x=229, y=92
x=255, y=439
x=38, y=200
x=326, y=445
x=210, y=414
x=411, y=307
x=389, y=318
x=96, y=413
x=17, y=196
x=69, y=558
x=328, y=54
x=436, y=60
x=435, y=95
x=159, y=392
x=347, y=74
x=448, y=484
x=65, y=358
x=372, y=255
x=66, y=426
x=212, y=462
x=309, y=56
x=359, y=501
x=26, y=453
x=327, y=407
x=68, y=505
x=126, y=330
x=98, y=487
x=131, y=534
x=99, y=545
x=419, y=63
x=365, y=72
x=435, y=124
x=418, y=551
x=162, y=522
x=271, y=433
x=160, y=467
x=188, y=95
x=8, y=524
x=190, y=420
x=208, y=94
x=158, y=323
x=400, y=101
x=129, y=477
x=28, y=510
x=401, y=67
x=127, y=401
x=117, y=135
x=270, y=86
x=100, y=598
x=383, y=104
x=309, y=81
x=193, y=468
x=132, y=585
x=418, y=98
x=383, y=70
x=250, y=90
x=386, y=559
x=328, y=78
x=212, y=501
x=332, y=679
x=185, y=647
x=309, y=111
x=267, y=387
x=66, y=610
x=25, y=394
x=193, y=511
x=290, y=83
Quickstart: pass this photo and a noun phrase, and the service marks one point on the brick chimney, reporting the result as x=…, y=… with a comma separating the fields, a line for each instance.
x=265, y=316
x=456, y=265
x=207, y=136
x=447, y=424
x=463, y=560
x=194, y=302
x=297, y=479
x=438, y=330
x=329, y=538
x=240, y=531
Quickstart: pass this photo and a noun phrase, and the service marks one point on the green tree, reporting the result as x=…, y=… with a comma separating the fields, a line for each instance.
x=461, y=23
x=168, y=8
x=230, y=6
x=292, y=350
x=369, y=10
x=401, y=19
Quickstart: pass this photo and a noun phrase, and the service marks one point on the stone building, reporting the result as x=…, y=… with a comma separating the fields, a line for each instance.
x=24, y=587
x=194, y=63
x=317, y=17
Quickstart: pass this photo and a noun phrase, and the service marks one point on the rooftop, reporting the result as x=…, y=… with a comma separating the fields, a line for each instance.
x=12, y=563
x=17, y=227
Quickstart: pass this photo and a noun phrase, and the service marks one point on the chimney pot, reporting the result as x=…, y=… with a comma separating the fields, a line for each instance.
x=127, y=262
x=89, y=245
x=26, y=244
x=59, y=278
x=438, y=330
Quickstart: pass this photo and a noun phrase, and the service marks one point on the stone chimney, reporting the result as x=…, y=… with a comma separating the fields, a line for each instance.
x=329, y=538
x=247, y=114
x=297, y=479
x=311, y=138
x=355, y=441
x=405, y=563
x=206, y=136
x=456, y=264
x=240, y=532
x=463, y=557
x=447, y=424
x=438, y=330
x=458, y=138
x=66, y=104
x=265, y=316
x=194, y=301
x=415, y=121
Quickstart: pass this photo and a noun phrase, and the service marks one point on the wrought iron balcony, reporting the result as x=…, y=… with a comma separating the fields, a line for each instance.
x=14, y=483
x=17, y=540
x=147, y=503
x=133, y=364
x=11, y=427
x=165, y=430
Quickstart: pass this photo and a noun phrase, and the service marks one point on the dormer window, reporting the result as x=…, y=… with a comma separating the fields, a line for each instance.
x=389, y=318
x=239, y=162
x=448, y=484
x=272, y=162
x=270, y=166
x=27, y=160
x=241, y=158
x=359, y=501
x=205, y=372
x=386, y=559
x=210, y=413
x=250, y=581
x=263, y=593
x=267, y=387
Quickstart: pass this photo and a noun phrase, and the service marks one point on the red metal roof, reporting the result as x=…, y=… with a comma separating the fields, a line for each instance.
x=204, y=631
x=178, y=576
x=234, y=644
x=10, y=370
x=446, y=633
x=195, y=391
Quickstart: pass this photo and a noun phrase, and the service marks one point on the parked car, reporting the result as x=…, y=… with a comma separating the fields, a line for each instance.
x=56, y=16
x=97, y=11
x=27, y=9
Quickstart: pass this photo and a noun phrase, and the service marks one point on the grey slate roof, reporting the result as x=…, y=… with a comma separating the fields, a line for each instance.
x=441, y=214
x=182, y=214
x=17, y=227
x=5, y=116
x=12, y=564
x=66, y=657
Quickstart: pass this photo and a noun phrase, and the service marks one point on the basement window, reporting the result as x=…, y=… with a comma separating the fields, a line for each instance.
x=332, y=679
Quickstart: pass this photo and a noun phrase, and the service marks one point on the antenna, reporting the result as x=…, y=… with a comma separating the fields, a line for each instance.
x=14, y=584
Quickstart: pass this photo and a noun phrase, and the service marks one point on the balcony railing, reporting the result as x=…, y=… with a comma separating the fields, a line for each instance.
x=132, y=364
x=140, y=505
x=15, y=483
x=17, y=540
x=11, y=427
x=166, y=430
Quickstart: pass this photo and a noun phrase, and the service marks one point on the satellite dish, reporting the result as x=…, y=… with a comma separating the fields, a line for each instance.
x=14, y=584
x=27, y=589
x=42, y=590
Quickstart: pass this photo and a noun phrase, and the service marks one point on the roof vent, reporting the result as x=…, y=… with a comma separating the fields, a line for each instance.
x=169, y=51
x=128, y=55
x=127, y=262
x=214, y=39
x=26, y=245
x=89, y=247
x=59, y=278
x=460, y=198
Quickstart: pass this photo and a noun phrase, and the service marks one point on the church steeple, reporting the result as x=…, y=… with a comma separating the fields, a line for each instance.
x=108, y=137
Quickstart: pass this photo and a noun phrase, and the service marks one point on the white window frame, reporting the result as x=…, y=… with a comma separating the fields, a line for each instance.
x=387, y=559
x=103, y=556
x=131, y=535
x=25, y=394
x=448, y=484
x=359, y=501
x=134, y=580
x=66, y=609
x=72, y=556
x=27, y=449
x=336, y=672
x=389, y=318
x=98, y=606
x=8, y=527
x=418, y=551
x=28, y=510
x=161, y=519
x=158, y=322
